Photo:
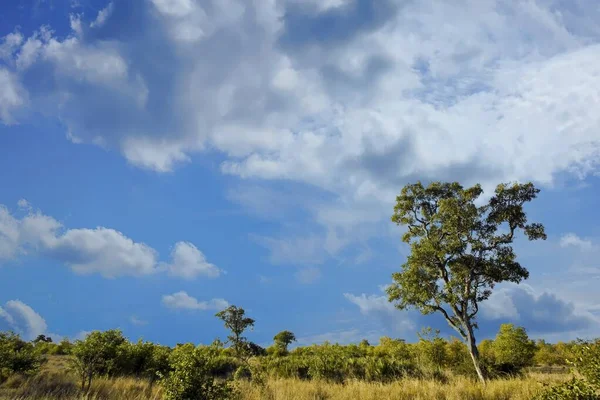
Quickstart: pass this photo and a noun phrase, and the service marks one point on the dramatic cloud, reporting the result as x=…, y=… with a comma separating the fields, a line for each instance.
x=86, y=251
x=22, y=319
x=543, y=313
x=539, y=313
x=188, y=262
x=184, y=301
x=386, y=93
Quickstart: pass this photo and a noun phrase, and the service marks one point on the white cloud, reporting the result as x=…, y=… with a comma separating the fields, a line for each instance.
x=9, y=234
x=379, y=308
x=101, y=250
x=184, y=301
x=102, y=16
x=188, y=262
x=572, y=240
x=23, y=319
x=12, y=96
x=477, y=91
x=539, y=312
x=9, y=44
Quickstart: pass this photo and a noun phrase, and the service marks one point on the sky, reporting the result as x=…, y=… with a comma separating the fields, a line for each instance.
x=162, y=159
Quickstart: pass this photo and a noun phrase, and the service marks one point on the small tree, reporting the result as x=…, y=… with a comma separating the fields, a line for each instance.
x=459, y=251
x=100, y=353
x=42, y=338
x=236, y=321
x=513, y=350
x=283, y=339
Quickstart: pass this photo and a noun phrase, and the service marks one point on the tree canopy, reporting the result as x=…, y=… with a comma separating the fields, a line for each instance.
x=459, y=250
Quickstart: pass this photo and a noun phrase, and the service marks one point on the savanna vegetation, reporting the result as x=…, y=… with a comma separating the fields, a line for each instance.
x=460, y=249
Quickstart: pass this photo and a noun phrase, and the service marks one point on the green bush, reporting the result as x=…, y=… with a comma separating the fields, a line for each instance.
x=17, y=356
x=586, y=361
x=99, y=354
x=192, y=375
x=574, y=389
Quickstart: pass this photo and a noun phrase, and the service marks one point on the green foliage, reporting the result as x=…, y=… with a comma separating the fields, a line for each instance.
x=192, y=375
x=585, y=359
x=17, y=356
x=574, y=389
x=459, y=251
x=282, y=340
x=242, y=373
x=513, y=350
x=431, y=349
x=100, y=353
x=42, y=338
x=236, y=321
x=145, y=360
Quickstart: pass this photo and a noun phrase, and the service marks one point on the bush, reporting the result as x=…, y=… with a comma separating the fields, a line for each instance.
x=100, y=353
x=586, y=360
x=574, y=389
x=513, y=350
x=192, y=375
x=17, y=356
x=242, y=373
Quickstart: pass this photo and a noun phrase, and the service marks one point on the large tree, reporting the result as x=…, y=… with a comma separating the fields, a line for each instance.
x=460, y=248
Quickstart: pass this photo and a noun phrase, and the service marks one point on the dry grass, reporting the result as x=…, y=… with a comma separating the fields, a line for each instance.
x=54, y=382
x=413, y=389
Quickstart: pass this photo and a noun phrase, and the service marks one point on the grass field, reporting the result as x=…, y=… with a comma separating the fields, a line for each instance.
x=54, y=382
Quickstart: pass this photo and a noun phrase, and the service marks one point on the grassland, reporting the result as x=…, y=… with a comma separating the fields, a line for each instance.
x=55, y=382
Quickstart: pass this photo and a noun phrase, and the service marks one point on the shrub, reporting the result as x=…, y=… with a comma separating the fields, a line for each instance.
x=17, y=356
x=100, y=353
x=574, y=389
x=192, y=375
x=586, y=360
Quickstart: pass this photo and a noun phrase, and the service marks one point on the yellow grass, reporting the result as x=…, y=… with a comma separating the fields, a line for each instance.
x=54, y=382
x=54, y=387
x=413, y=389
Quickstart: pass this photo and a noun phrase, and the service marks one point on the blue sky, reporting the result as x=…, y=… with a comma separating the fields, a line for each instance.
x=163, y=158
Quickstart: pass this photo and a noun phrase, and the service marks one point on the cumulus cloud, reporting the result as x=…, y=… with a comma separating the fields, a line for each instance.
x=539, y=312
x=22, y=319
x=100, y=250
x=181, y=300
x=188, y=262
x=354, y=98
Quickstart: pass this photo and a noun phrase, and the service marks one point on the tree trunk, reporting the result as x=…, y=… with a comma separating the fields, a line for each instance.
x=474, y=352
